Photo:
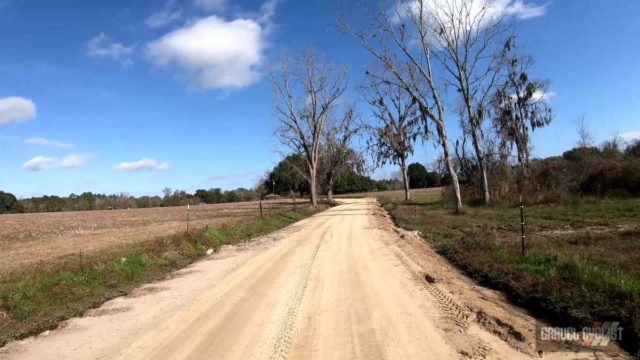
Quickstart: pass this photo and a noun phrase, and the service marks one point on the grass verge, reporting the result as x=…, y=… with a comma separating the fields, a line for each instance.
x=38, y=298
x=581, y=265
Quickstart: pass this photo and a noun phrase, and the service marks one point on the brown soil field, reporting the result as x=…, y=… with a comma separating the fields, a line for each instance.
x=26, y=239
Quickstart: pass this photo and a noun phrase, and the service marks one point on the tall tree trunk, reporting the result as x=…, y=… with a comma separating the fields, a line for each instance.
x=444, y=142
x=405, y=179
x=312, y=188
x=330, y=190
x=475, y=121
x=483, y=169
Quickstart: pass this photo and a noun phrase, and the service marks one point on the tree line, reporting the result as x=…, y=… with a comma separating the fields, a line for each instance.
x=611, y=169
x=282, y=180
x=90, y=201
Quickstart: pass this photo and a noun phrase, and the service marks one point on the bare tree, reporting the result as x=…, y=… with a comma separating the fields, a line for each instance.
x=472, y=41
x=584, y=132
x=307, y=90
x=392, y=137
x=337, y=157
x=465, y=165
x=401, y=41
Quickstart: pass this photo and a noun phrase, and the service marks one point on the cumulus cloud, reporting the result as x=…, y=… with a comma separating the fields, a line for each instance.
x=162, y=18
x=211, y=5
x=39, y=163
x=216, y=53
x=74, y=161
x=71, y=161
x=16, y=109
x=143, y=164
x=102, y=46
x=47, y=142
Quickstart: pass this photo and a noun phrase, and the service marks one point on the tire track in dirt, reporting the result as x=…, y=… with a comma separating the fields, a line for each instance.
x=287, y=330
x=453, y=311
x=472, y=348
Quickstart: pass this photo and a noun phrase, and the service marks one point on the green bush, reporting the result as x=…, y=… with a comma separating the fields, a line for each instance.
x=9, y=203
x=354, y=183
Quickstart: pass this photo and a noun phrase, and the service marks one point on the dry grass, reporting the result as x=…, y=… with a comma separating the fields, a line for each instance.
x=581, y=265
x=26, y=239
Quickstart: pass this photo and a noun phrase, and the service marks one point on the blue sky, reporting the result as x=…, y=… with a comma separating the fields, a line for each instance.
x=139, y=95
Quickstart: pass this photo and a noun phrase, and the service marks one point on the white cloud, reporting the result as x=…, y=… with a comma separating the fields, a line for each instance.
x=162, y=18
x=74, y=161
x=101, y=46
x=143, y=164
x=495, y=9
x=214, y=52
x=71, y=161
x=543, y=95
x=39, y=163
x=47, y=142
x=629, y=136
x=539, y=95
x=211, y=5
x=268, y=10
x=523, y=11
x=16, y=109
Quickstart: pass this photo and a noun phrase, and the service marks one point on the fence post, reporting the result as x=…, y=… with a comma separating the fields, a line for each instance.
x=187, y=217
x=261, y=214
x=522, y=226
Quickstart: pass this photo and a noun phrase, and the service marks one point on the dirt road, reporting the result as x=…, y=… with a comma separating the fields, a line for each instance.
x=343, y=284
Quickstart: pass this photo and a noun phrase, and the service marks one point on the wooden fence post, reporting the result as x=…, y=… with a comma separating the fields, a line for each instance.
x=522, y=235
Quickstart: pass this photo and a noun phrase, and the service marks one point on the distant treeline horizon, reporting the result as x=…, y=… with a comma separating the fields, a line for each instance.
x=582, y=171
x=87, y=201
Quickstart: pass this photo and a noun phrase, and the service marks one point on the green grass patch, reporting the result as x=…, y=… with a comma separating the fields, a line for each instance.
x=234, y=234
x=581, y=265
x=38, y=298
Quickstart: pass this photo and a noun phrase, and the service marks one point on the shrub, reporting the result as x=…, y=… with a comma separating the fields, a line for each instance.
x=9, y=203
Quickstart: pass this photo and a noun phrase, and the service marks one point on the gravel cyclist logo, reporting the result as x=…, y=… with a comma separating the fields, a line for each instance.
x=600, y=334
